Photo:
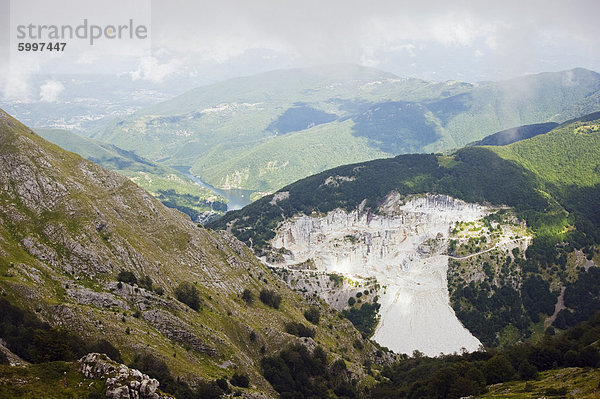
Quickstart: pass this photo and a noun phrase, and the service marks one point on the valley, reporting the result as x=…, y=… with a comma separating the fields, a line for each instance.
x=265, y=131
x=236, y=199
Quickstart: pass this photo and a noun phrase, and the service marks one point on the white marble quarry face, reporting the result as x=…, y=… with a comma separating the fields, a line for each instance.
x=405, y=249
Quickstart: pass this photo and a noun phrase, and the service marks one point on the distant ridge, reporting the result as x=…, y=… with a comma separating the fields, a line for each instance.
x=515, y=134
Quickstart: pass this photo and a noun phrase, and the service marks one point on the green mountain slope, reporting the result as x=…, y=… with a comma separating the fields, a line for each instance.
x=551, y=181
x=568, y=155
x=171, y=187
x=515, y=134
x=96, y=257
x=248, y=121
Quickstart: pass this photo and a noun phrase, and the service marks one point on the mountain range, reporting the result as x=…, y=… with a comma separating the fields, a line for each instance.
x=364, y=280
x=265, y=131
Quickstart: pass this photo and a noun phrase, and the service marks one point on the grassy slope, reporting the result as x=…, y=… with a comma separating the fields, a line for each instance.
x=88, y=223
x=568, y=382
x=55, y=380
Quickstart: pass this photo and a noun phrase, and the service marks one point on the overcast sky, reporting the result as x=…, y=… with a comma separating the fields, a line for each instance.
x=438, y=40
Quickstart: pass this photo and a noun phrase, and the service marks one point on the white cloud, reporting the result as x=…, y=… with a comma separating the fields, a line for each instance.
x=15, y=80
x=225, y=35
x=355, y=31
x=150, y=69
x=50, y=91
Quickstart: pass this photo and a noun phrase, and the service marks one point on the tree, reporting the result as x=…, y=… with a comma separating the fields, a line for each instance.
x=313, y=315
x=128, y=277
x=187, y=293
x=498, y=369
x=527, y=371
x=270, y=298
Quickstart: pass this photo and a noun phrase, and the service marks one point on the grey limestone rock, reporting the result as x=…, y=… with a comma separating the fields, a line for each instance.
x=122, y=382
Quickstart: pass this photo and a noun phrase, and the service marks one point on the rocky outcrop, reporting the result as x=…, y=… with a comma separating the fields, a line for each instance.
x=122, y=382
x=87, y=296
x=177, y=330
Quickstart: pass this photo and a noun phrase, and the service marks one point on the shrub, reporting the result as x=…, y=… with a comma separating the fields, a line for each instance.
x=145, y=282
x=240, y=380
x=588, y=357
x=364, y=318
x=247, y=296
x=270, y=298
x=498, y=369
x=313, y=315
x=208, y=390
x=299, y=330
x=126, y=276
x=187, y=293
x=157, y=368
x=297, y=373
x=223, y=384
x=351, y=301
x=527, y=371
x=253, y=336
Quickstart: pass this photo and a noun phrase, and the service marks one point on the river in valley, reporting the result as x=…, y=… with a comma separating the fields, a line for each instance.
x=237, y=199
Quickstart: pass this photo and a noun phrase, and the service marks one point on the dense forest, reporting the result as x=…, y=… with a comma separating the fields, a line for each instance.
x=297, y=373
x=456, y=376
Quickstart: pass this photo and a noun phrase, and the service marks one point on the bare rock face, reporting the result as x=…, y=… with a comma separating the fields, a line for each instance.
x=87, y=296
x=404, y=249
x=177, y=330
x=121, y=381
